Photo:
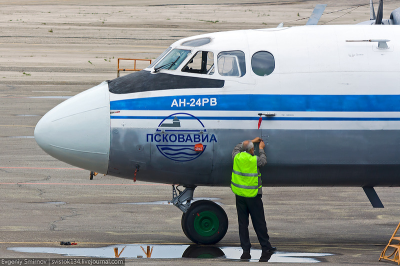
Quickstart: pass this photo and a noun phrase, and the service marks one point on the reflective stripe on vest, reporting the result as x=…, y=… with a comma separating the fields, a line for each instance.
x=244, y=174
x=246, y=187
x=245, y=177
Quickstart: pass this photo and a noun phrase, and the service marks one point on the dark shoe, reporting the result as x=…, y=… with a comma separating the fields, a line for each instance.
x=265, y=256
x=246, y=255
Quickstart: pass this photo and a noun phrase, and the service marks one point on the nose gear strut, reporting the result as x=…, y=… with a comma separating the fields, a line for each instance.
x=182, y=199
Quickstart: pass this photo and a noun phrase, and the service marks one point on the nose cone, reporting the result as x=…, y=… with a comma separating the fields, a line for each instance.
x=77, y=131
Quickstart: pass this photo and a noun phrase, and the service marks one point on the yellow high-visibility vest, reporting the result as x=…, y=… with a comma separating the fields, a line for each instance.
x=245, y=177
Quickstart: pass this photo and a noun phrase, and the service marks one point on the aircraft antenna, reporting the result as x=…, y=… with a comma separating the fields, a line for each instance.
x=379, y=15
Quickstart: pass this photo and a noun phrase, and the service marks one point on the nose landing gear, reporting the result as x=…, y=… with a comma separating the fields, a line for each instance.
x=203, y=222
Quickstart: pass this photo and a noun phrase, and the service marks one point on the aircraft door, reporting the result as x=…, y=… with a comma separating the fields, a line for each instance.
x=182, y=144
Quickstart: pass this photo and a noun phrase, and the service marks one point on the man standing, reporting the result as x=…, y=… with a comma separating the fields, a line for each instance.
x=247, y=185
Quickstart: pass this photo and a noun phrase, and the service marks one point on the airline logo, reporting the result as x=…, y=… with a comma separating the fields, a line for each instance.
x=181, y=137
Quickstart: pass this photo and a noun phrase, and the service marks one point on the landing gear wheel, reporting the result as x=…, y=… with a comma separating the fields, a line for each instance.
x=205, y=222
x=183, y=226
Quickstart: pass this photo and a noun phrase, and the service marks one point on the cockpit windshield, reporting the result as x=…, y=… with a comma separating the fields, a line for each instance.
x=155, y=61
x=172, y=60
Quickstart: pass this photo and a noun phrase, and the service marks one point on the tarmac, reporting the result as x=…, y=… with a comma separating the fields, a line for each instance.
x=52, y=50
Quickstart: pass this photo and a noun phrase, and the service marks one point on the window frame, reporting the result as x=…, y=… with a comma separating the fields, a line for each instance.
x=216, y=68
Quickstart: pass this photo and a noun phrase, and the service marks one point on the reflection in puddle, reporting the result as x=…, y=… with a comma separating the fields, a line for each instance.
x=21, y=137
x=166, y=202
x=50, y=97
x=172, y=252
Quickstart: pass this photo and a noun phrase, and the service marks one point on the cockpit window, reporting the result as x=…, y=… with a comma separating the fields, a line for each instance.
x=197, y=42
x=202, y=63
x=263, y=63
x=232, y=63
x=172, y=60
x=155, y=61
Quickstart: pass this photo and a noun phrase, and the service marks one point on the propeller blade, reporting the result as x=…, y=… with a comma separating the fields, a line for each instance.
x=316, y=14
x=371, y=10
x=379, y=16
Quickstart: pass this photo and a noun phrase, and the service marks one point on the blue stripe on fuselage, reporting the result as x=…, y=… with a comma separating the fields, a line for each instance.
x=268, y=118
x=251, y=102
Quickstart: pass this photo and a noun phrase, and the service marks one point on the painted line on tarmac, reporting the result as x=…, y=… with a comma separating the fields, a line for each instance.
x=52, y=91
x=102, y=243
x=41, y=168
x=15, y=126
x=81, y=184
x=79, y=46
x=37, y=97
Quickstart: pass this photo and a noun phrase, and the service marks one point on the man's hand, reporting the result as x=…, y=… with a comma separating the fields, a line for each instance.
x=256, y=140
x=262, y=144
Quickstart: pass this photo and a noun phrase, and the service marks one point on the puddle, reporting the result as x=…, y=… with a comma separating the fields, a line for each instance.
x=166, y=202
x=50, y=97
x=27, y=115
x=172, y=252
x=21, y=137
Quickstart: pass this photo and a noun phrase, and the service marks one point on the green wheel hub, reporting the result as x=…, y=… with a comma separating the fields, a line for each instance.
x=206, y=223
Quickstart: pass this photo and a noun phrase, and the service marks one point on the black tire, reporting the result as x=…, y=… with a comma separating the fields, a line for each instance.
x=183, y=226
x=205, y=222
x=182, y=223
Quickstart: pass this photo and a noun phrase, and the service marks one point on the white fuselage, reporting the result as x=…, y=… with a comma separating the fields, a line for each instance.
x=333, y=102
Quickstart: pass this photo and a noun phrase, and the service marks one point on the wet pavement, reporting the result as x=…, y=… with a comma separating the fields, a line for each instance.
x=138, y=251
x=44, y=201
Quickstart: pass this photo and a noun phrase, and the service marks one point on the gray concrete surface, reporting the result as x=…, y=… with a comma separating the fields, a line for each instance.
x=60, y=48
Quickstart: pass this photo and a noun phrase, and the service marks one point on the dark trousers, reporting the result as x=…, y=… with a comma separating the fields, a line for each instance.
x=254, y=207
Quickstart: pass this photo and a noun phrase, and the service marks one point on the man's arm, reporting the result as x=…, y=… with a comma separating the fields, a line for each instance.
x=261, y=158
x=236, y=150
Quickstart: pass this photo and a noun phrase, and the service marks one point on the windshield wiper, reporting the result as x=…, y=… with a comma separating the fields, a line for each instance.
x=164, y=66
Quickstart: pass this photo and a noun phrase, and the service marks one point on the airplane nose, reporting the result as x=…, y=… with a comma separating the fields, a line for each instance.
x=77, y=131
